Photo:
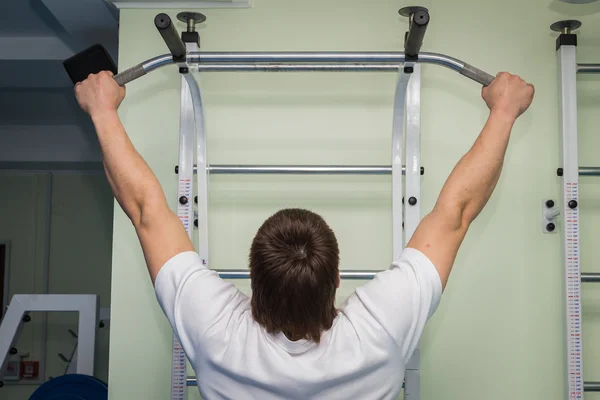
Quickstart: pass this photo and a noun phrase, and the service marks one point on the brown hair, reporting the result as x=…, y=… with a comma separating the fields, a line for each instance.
x=294, y=272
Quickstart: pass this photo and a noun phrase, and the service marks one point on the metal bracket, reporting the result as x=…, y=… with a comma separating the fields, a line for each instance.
x=85, y=304
x=549, y=214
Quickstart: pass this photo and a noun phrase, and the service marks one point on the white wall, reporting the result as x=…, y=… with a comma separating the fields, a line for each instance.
x=498, y=333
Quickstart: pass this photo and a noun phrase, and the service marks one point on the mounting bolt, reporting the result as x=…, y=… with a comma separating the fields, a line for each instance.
x=550, y=227
x=26, y=318
x=13, y=350
x=196, y=223
x=196, y=199
x=183, y=200
x=412, y=200
x=549, y=203
x=191, y=19
x=572, y=204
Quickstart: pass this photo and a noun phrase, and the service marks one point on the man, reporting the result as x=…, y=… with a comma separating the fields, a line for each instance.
x=288, y=341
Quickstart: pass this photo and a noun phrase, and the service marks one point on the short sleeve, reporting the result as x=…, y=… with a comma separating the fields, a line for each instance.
x=194, y=298
x=403, y=298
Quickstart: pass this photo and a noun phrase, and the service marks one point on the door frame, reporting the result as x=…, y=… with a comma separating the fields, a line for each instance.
x=4, y=292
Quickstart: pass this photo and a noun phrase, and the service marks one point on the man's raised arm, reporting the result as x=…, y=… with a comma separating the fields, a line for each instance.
x=133, y=183
x=471, y=183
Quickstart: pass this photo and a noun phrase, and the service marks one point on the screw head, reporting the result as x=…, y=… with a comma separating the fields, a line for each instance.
x=183, y=200
x=550, y=227
x=549, y=203
x=412, y=200
x=572, y=204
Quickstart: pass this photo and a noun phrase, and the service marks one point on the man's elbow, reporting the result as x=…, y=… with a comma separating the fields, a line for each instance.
x=455, y=217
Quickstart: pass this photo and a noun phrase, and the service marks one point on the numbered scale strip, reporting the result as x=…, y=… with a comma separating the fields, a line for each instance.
x=412, y=203
x=568, y=91
x=185, y=211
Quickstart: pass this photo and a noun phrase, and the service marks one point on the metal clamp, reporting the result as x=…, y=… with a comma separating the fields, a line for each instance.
x=549, y=214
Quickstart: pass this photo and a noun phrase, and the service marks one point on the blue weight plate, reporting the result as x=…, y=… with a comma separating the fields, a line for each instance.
x=72, y=387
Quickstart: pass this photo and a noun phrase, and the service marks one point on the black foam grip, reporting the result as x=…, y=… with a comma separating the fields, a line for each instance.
x=170, y=35
x=477, y=75
x=416, y=33
x=130, y=74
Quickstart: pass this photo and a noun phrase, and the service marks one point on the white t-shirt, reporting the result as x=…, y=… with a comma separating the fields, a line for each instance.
x=362, y=356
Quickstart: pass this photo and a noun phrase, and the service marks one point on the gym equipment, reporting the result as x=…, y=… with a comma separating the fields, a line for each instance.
x=85, y=304
x=90, y=61
x=566, y=49
x=185, y=54
x=72, y=386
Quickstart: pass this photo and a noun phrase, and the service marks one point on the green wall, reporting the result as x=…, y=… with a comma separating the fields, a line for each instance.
x=80, y=215
x=498, y=333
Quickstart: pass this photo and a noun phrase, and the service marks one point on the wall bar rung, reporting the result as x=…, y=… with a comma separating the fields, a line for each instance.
x=588, y=68
x=589, y=171
x=590, y=277
x=301, y=169
x=591, y=386
x=245, y=274
x=583, y=171
x=297, y=67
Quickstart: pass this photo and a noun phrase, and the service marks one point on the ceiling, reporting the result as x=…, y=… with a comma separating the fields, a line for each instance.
x=36, y=36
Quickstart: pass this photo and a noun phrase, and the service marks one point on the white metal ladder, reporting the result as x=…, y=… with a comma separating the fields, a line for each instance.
x=566, y=49
x=405, y=213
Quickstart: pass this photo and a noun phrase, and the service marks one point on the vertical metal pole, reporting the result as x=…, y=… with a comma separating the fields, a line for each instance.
x=404, y=77
x=86, y=332
x=397, y=150
x=202, y=169
x=185, y=212
x=412, y=204
x=567, y=67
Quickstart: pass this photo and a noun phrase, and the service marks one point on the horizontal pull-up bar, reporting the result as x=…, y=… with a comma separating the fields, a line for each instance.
x=300, y=169
x=302, y=61
x=588, y=68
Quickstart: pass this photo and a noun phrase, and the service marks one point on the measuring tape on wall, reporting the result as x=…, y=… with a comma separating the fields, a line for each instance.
x=185, y=212
x=570, y=187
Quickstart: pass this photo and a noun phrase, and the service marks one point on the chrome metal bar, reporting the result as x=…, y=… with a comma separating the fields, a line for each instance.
x=591, y=386
x=589, y=171
x=588, y=68
x=583, y=171
x=192, y=381
x=245, y=274
x=304, y=61
x=590, y=277
x=224, y=67
x=300, y=169
x=358, y=60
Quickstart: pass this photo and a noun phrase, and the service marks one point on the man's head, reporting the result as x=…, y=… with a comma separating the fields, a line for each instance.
x=294, y=271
